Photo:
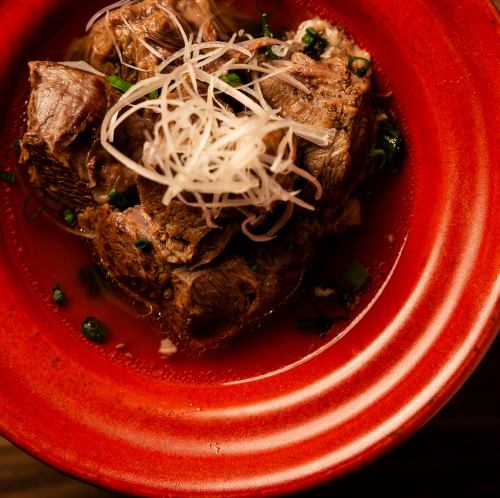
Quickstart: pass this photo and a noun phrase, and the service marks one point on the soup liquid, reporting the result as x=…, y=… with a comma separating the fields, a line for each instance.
x=46, y=255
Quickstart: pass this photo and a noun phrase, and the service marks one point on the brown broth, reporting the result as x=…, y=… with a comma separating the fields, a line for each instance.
x=46, y=255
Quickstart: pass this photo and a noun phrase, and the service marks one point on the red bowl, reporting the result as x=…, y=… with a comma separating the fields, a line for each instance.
x=280, y=410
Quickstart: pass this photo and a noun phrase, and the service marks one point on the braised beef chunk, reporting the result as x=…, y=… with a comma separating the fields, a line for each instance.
x=215, y=303
x=125, y=32
x=64, y=116
x=206, y=283
x=61, y=145
x=129, y=250
x=339, y=100
x=183, y=230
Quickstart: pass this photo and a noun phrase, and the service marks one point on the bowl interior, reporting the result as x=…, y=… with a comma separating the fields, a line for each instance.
x=47, y=256
x=281, y=409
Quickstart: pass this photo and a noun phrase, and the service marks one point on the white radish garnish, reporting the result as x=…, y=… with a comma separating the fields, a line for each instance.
x=82, y=66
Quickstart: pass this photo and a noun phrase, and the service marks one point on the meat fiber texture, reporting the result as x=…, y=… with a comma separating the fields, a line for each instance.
x=122, y=28
x=205, y=284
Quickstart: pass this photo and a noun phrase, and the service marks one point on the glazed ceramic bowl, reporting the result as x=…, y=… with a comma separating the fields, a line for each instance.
x=281, y=410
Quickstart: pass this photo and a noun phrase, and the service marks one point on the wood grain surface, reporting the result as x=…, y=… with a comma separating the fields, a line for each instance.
x=457, y=454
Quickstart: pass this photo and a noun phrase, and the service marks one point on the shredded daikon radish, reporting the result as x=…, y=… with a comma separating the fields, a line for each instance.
x=202, y=151
x=83, y=66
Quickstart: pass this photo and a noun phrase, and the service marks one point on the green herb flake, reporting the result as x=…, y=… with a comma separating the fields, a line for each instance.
x=143, y=245
x=69, y=216
x=315, y=43
x=58, y=295
x=309, y=37
x=119, y=83
x=266, y=31
x=155, y=94
x=7, y=177
x=362, y=66
x=355, y=275
x=231, y=78
x=390, y=141
x=117, y=199
x=94, y=330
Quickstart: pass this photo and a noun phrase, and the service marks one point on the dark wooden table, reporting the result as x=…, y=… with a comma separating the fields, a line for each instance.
x=457, y=454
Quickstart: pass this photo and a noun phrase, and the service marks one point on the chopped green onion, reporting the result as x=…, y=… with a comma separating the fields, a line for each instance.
x=356, y=275
x=154, y=94
x=266, y=31
x=117, y=82
x=95, y=330
x=315, y=43
x=231, y=78
x=117, y=199
x=58, y=296
x=144, y=245
x=69, y=216
x=322, y=43
x=7, y=177
x=251, y=262
x=309, y=37
x=390, y=140
x=359, y=71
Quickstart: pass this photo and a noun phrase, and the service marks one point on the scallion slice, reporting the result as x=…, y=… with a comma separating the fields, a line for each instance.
x=359, y=70
x=154, y=94
x=266, y=31
x=231, y=78
x=309, y=37
x=58, y=295
x=390, y=140
x=69, y=216
x=117, y=82
x=315, y=43
x=355, y=275
x=94, y=330
x=143, y=245
x=117, y=199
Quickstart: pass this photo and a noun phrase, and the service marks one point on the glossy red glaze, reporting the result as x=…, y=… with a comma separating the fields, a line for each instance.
x=288, y=413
